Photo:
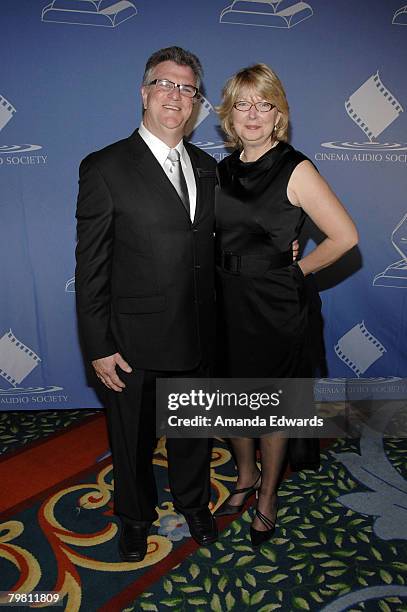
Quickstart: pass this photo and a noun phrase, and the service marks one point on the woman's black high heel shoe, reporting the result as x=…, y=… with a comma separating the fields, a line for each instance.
x=259, y=537
x=226, y=508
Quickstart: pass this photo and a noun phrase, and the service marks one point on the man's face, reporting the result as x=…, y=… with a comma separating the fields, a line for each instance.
x=166, y=113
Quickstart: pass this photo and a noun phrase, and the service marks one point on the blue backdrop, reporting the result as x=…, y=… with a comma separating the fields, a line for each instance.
x=71, y=72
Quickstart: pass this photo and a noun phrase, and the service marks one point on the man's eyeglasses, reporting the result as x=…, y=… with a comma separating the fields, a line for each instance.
x=262, y=107
x=189, y=91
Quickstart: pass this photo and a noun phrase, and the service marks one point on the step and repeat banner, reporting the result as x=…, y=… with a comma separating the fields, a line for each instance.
x=70, y=79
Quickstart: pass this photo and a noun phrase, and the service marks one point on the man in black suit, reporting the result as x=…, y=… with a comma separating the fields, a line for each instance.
x=145, y=295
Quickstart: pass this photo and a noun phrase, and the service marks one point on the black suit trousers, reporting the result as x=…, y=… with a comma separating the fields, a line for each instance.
x=131, y=424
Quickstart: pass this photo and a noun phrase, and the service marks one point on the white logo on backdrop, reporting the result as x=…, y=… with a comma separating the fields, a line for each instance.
x=373, y=108
x=209, y=145
x=201, y=110
x=7, y=112
x=105, y=13
x=395, y=275
x=218, y=149
x=266, y=13
x=359, y=349
x=17, y=361
x=70, y=285
x=400, y=16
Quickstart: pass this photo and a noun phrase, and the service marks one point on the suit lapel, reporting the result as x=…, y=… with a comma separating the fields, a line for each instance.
x=149, y=167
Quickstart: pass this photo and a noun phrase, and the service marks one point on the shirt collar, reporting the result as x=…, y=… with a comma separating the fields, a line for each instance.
x=158, y=148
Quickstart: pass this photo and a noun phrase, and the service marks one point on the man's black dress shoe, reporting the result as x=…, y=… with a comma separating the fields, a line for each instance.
x=133, y=542
x=202, y=526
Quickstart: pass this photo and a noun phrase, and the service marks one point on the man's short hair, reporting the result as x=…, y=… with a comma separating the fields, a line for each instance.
x=173, y=54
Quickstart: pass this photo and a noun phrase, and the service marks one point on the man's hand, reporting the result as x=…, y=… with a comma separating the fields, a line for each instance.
x=105, y=369
x=296, y=248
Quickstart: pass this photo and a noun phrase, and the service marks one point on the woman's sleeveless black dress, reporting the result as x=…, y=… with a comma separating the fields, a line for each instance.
x=262, y=298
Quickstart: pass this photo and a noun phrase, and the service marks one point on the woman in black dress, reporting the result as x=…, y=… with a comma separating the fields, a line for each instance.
x=266, y=190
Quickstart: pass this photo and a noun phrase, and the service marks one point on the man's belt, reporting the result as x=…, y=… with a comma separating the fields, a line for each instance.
x=247, y=264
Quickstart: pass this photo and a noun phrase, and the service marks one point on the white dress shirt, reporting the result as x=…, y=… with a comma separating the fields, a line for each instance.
x=160, y=151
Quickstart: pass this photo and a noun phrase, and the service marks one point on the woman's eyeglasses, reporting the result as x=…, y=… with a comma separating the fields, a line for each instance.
x=262, y=107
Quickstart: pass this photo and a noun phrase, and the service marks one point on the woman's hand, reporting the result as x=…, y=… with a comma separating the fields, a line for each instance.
x=296, y=248
x=307, y=188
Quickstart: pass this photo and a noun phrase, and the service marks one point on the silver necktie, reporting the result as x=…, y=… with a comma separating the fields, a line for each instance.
x=177, y=177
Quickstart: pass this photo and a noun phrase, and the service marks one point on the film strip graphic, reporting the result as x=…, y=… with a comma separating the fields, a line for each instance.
x=358, y=120
x=16, y=359
x=363, y=98
x=369, y=349
x=202, y=110
x=206, y=106
x=7, y=111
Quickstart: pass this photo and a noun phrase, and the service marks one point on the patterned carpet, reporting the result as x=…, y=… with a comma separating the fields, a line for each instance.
x=339, y=545
x=18, y=428
x=340, y=542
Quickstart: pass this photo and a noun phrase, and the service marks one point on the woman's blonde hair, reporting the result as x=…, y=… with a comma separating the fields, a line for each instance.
x=264, y=81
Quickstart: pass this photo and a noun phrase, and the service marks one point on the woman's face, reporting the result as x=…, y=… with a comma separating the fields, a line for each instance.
x=254, y=127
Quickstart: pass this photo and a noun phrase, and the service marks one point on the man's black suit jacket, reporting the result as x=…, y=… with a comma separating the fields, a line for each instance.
x=144, y=275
